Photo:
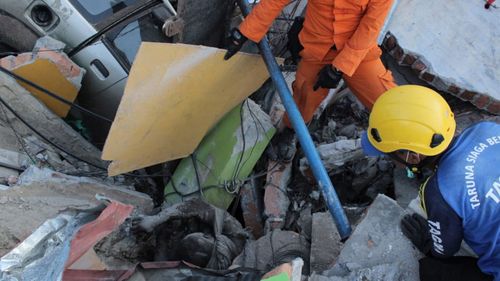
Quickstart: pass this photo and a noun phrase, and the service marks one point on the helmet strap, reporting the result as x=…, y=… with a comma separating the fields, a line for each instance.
x=415, y=168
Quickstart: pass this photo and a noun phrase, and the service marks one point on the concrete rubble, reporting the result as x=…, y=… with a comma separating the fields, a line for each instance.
x=388, y=254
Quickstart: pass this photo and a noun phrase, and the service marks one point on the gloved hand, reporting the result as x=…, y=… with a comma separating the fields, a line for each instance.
x=236, y=42
x=415, y=227
x=328, y=77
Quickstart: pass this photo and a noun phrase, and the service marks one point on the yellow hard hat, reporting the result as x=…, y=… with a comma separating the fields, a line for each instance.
x=413, y=118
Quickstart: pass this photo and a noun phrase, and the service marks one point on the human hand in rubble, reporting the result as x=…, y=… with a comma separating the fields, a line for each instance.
x=416, y=229
x=328, y=77
x=236, y=41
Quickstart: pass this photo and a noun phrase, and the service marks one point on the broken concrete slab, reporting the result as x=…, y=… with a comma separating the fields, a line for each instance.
x=325, y=243
x=41, y=194
x=335, y=155
x=378, y=241
x=42, y=256
x=427, y=44
x=405, y=188
x=49, y=125
x=384, y=272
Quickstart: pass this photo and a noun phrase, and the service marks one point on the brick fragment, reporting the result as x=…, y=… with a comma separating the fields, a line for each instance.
x=418, y=66
x=481, y=101
x=468, y=95
x=390, y=42
x=409, y=59
x=454, y=89
x=428, y=77
x=397, y=53
x=494, y=107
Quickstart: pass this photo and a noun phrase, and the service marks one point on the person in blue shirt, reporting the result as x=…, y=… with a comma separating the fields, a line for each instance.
x=415, y=127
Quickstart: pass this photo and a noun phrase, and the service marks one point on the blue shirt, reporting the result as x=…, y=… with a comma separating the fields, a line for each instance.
x=462, y=199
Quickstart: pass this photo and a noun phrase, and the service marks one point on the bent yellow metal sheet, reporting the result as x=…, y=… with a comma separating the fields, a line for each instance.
x=46, y=74
x=174, y=95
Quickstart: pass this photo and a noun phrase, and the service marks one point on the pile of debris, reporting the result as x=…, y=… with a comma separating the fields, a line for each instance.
x=222, y=200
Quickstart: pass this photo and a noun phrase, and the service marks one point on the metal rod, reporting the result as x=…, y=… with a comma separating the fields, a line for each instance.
x=170, y=7
x=319, y=171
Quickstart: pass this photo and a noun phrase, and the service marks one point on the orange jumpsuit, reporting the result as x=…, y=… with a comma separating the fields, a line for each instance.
x=338, y=32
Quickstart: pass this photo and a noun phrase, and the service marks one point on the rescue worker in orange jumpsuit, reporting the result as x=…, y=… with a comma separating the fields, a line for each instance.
x=340, y=41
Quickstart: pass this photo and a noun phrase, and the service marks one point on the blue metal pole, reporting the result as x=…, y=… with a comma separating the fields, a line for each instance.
x=319, y=171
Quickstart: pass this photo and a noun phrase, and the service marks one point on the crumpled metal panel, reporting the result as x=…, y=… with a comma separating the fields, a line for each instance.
x=42, y=256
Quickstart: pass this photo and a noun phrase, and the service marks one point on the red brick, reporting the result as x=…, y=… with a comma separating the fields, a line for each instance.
x=409, y=59
x=398, y=54
x=428, y=77
x=494, y=107
x=418, y=66
x=468, y=95
x=481, y=101
x=453, y=89
x=390, y=42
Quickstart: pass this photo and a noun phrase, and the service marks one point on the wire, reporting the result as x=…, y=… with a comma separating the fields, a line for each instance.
x=64, y=150
x=195, y=165
x=51, y=94
x=45, y=138
x=235, y=171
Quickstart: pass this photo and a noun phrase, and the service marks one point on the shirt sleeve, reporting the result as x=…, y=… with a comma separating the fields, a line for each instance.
x=260, y=19
x=364, y=38
x=445, y=225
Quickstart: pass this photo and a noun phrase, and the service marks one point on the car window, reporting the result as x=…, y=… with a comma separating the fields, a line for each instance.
x=128, y=38
x=96, y=10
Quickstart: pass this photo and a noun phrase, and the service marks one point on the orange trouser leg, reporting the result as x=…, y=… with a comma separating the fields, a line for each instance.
x=305, y=97
x=370, y=80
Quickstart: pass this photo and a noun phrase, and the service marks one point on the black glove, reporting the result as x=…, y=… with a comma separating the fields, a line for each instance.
x=236, y=41
x=328, y=77
x=415, y=227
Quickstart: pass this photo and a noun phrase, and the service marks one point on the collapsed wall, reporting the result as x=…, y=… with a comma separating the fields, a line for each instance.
x=455, y=54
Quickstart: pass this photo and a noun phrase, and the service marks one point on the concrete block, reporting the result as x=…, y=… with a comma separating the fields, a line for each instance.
x=429, y=35
x=325, y=242
x=378, y=241
x=385, y=272
x=31, y=110
x=406, y=189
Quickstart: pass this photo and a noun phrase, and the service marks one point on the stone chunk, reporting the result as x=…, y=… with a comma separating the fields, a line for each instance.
x=378, y=241
x=406, y=189
x=325, y=242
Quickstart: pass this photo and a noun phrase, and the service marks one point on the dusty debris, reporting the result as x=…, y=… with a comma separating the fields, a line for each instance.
x=40, y=194
x=196, y=232
x=272, y=250
x=45, y=122
x=42, y=256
